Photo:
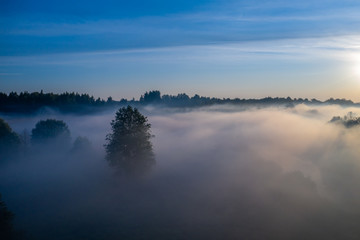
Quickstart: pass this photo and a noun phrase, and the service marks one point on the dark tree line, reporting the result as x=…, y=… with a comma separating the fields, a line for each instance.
x=183, y=100
x=25, y=102
x=67, y=102
x=49, y=98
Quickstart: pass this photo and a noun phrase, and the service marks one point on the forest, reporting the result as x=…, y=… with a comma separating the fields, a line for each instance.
x=71, y=102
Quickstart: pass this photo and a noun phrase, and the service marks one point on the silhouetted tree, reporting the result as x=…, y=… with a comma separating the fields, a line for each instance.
x=151, y=97
x=6, y=225
x=9, y=141
x=128, y=146
x=50, y=130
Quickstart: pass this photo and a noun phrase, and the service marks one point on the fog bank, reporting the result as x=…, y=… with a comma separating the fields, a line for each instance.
x=222, y=173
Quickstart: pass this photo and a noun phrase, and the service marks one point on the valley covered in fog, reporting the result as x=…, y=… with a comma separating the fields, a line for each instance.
x=179, y=120
x=221, y=172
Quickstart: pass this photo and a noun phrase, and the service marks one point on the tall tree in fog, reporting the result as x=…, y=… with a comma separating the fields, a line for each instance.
x=9, y=140
x=50, y=130
x=128, y=146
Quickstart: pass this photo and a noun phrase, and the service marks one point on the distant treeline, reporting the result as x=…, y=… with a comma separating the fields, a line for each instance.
x=154, y=97
x=26, y=102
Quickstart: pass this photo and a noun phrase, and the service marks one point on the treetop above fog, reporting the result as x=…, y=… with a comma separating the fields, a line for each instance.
x=128, y=145
x=349, y=120
x=50, y=129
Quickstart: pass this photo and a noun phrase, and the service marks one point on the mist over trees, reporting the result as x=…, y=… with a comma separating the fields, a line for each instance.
x=349, y=120
x=219, y=175
x=46, y=133
x=208, y=173
x=128, y=147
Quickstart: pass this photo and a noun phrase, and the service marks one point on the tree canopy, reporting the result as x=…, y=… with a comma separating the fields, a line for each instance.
x=9, y=140
x=128, y=146
x=50, y=130
x=151, y=97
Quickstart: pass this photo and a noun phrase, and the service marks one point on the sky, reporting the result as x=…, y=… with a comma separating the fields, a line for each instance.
x=245, y=49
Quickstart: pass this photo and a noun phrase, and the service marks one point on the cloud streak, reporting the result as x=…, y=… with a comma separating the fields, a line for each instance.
x=211, y=24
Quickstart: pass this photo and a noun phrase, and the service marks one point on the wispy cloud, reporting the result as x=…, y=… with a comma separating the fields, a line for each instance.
x=226, y=24
x=172, y=23
x=288, y=48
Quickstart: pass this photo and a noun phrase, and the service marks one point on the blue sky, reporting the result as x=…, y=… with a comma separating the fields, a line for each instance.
x=213, y=48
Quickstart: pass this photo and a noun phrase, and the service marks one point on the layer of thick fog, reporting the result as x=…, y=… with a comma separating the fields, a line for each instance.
x=222, y=173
